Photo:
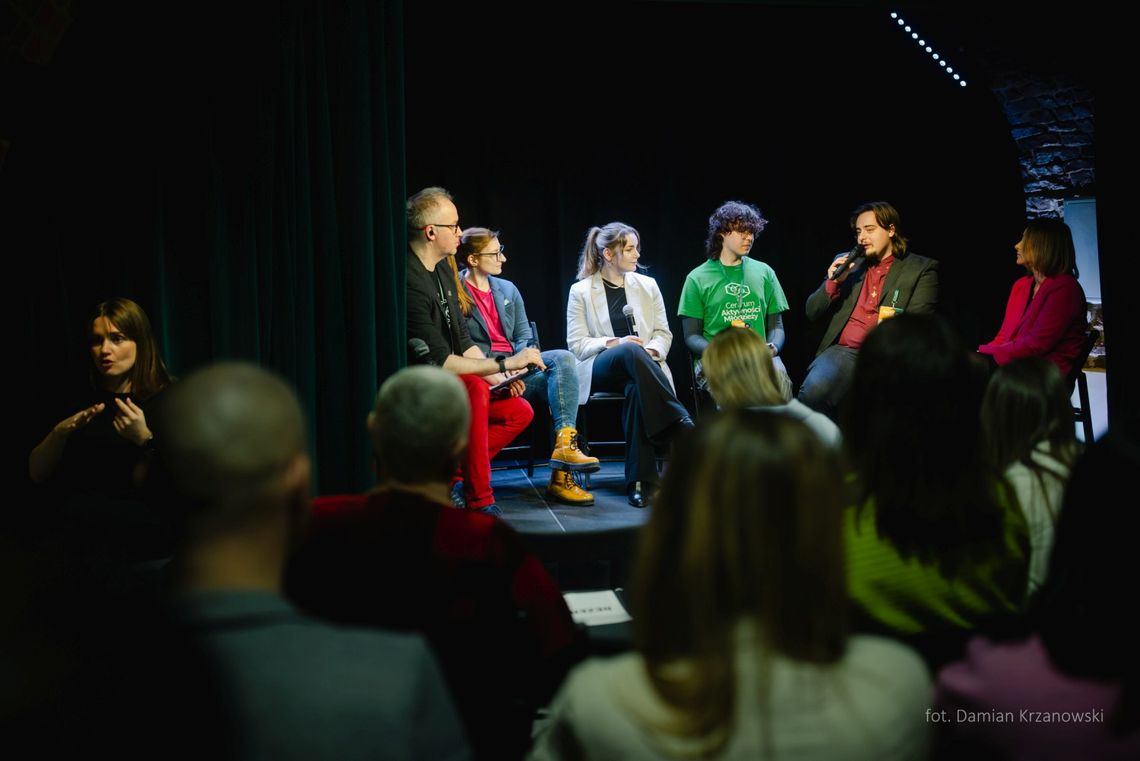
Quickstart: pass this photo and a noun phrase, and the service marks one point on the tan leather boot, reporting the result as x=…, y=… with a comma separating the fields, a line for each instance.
x=567, y=455
x=563, y=488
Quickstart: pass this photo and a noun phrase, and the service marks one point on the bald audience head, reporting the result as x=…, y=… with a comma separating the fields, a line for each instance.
x=419, y=425
x=233, y=447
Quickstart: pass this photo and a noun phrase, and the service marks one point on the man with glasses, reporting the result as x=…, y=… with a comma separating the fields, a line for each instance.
x=877, y=279
x=731, y=289
x=439, y=333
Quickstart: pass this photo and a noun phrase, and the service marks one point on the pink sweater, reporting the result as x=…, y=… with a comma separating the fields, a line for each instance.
x=1052, y=327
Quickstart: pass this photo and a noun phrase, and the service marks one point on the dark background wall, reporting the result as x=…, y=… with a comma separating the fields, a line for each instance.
x=238, y=169
x=542, y=130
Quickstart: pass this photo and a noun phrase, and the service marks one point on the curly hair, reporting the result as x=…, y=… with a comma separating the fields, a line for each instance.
x=732, y=216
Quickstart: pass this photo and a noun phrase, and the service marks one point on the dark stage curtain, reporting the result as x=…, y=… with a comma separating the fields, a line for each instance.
x=239, y=171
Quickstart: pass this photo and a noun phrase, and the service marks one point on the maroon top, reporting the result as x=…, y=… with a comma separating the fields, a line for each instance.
x=865, y=315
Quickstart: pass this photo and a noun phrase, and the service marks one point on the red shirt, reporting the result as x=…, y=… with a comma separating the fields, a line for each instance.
x=485, y=303
x=865, y=315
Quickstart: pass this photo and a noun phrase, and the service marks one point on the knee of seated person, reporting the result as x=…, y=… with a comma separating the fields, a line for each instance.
x=559, y=356
x=813, y=389
x=477, y=388
x=633, y=351
x=521, y=410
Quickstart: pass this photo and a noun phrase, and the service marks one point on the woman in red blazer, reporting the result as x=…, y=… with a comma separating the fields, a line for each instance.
x=1046, y=315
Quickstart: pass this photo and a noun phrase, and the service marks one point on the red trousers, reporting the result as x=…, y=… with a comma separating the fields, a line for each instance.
x=494, y=424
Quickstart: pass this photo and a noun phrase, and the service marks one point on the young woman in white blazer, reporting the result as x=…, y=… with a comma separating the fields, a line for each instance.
x=623, y=353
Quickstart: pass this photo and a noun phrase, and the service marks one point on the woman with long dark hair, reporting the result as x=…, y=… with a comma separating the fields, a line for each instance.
x=1028, y=434
x=936, y=543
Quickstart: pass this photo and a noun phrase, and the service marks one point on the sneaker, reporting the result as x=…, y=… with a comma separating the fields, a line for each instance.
x=563, y=488
x=491, y=509
x=457, y=496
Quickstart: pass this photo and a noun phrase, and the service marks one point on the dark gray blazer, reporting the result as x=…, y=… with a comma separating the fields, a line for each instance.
x=916, y=278
x=512, y=314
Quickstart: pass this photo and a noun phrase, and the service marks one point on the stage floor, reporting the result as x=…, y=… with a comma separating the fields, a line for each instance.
x=527, y=509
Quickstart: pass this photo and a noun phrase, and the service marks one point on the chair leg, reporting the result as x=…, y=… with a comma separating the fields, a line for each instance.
x=582, y=422
x=1086, y=407
x=533, y=445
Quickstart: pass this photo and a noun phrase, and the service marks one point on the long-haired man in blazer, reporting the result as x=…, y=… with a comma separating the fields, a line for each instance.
x=882, y=279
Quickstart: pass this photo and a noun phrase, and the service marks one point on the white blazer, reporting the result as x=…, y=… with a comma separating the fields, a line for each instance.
x=588, y=323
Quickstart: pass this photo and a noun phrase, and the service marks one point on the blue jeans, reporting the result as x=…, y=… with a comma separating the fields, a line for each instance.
x=828, y=379
x=557, y=387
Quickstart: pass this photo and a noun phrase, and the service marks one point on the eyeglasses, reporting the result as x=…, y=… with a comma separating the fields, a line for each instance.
x=454, y=228
x=500, y=254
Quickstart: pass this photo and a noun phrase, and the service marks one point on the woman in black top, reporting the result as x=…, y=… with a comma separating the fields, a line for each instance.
x=89, y=457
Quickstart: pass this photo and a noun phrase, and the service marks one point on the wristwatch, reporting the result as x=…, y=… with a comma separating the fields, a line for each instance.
x=502, y=360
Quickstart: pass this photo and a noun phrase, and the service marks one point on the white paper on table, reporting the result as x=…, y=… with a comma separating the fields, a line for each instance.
x=596, y=608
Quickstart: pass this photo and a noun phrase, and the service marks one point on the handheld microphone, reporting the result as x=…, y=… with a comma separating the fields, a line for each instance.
x=420, y=351
x=857, y=253
x=630, y=322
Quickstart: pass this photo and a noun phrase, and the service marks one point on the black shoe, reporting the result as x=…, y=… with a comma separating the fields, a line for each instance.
x=636, y=496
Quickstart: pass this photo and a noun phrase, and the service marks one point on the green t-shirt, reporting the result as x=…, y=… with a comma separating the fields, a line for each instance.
x=718, y=295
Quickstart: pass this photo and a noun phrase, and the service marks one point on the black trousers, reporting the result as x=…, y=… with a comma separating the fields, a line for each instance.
x=650, y=410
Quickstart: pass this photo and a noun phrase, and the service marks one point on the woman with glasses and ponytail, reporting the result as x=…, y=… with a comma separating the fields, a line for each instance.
x=497, y=323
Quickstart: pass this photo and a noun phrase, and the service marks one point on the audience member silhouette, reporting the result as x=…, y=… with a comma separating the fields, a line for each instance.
x=1071, y=689
x=401, y=557
x=936, y=543
x=740, y=373
x=234, y=466
x=740, y=620
x=1028, y=433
